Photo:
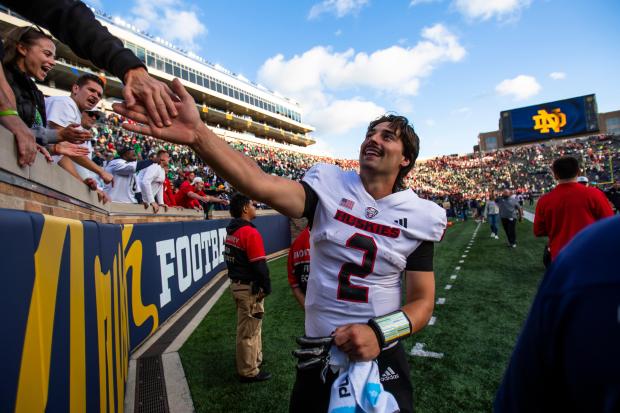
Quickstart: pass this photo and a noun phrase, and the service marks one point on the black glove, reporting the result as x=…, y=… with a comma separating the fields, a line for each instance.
x=314, y=351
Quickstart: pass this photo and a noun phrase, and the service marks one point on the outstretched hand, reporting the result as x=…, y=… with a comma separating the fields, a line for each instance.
x=74, y=133
x=182, y=129
x=70, y=149
x=155, y=96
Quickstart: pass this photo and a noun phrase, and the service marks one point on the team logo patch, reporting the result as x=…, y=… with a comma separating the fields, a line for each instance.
x=347, y=203
x=371, y=212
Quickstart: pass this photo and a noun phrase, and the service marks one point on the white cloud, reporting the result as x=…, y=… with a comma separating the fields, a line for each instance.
x=520, y=87
x=557, y=75
x=465, y=110
x=340, y=8
x=414, y=3
x=338, y=32
x=169, y=19
x=321, y=148
x=341, y=116
x=487, y=9
x=394, y=69
x=316, y=76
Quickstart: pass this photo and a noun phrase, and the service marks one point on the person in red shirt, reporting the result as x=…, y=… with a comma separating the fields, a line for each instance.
x=569, y=207
x=190, y=195
x=169, y=197
x=299, y=265
x=249, y=284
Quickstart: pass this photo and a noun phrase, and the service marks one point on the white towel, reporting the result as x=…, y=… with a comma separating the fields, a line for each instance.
x=358, y=389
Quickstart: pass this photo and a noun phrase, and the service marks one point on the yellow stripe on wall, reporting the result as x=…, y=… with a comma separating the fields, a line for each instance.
x=32, y=388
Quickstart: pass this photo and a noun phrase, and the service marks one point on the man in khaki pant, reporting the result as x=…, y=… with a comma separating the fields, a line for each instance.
x=249, y=284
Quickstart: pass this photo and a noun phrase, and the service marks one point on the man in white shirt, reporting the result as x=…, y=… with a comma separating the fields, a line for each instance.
x=151, y=181
x=63, y=111
x=123, y=169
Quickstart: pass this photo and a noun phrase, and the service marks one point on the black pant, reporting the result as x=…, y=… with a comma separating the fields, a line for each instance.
x=511, y=230
x=311, y=395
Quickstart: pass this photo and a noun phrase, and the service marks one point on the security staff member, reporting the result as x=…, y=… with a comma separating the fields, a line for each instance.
x=250, y=284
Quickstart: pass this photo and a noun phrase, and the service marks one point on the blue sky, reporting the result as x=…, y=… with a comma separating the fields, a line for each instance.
x=450, y=66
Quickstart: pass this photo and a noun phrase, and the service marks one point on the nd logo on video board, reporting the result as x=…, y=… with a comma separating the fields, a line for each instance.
x=549, y=120
x=545, y=122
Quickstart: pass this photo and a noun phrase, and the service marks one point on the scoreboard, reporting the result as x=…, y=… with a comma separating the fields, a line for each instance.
x=551, y=120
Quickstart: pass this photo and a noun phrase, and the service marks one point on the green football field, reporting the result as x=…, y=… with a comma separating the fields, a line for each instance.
x=475, y=330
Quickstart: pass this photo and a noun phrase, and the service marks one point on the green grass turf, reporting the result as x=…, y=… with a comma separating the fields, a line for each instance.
x=476, y=330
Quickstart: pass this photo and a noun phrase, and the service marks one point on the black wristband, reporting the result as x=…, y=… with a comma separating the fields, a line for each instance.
x=391, y=327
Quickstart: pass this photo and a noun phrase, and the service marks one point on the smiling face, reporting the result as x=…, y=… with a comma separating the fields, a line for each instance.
x=381, y=151
x=36, y=59
x=88, y=95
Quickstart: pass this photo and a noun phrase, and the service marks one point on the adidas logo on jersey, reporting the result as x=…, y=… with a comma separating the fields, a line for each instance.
x=401, y=221
x=389, y=374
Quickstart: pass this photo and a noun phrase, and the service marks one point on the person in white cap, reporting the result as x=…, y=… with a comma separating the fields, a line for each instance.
x=583, y=180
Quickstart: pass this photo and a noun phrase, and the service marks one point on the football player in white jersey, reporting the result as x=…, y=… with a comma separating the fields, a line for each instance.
x=366, y=231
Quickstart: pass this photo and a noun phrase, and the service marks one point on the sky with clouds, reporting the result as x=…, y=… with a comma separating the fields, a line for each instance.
x=450, y=66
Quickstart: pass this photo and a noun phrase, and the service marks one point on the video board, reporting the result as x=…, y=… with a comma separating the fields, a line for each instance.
x=550, y=120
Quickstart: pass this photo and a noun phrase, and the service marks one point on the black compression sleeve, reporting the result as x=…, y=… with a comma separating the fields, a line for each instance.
x=312, y=200
x=422, y=258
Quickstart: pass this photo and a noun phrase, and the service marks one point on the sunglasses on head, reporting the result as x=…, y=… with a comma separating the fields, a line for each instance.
x=34, y=28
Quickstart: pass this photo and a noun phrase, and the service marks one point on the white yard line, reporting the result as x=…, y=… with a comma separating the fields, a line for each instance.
x=418, y=351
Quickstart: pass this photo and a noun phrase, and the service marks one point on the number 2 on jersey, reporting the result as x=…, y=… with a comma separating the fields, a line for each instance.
x=346, y=290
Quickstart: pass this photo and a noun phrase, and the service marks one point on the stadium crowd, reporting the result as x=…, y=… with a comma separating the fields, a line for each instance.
x=467, y=179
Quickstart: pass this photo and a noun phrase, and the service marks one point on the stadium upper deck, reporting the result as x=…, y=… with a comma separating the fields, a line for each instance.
x=226, y=100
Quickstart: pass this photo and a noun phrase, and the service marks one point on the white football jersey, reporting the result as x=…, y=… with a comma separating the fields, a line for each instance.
x=359, y=248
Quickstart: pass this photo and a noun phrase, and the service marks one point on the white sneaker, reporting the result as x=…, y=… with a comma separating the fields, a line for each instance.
x=514, y=245
x=492, y=235
x=496, y=237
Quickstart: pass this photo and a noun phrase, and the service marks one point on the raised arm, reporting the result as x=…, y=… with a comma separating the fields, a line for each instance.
x=74, y=24
x=284, y=195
